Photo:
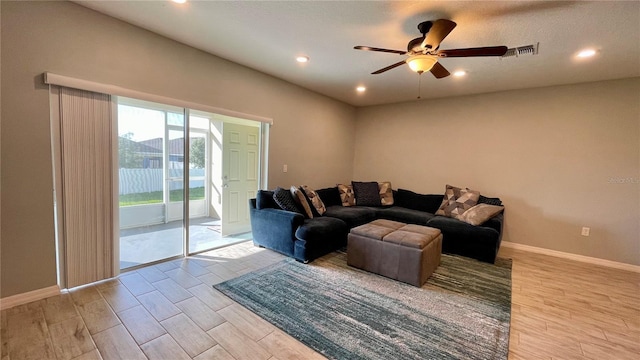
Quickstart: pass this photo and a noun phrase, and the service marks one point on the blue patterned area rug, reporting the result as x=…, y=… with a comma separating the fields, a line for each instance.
x=462, y=312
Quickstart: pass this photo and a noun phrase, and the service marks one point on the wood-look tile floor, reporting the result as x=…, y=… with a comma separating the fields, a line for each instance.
x=561, y=309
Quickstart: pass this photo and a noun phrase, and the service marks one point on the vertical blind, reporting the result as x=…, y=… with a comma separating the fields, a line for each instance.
x=87, y=186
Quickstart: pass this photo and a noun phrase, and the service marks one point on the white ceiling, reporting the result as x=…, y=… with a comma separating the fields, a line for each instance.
x=268, y=35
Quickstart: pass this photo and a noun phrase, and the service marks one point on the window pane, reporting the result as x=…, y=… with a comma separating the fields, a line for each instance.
x=176, y=119
x=140, y=134
x=197, y=164
x=151, y=181
x=197, y=122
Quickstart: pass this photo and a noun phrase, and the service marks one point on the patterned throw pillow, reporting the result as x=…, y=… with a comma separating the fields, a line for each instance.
x=347, y=196
x=315, y=200
x=301, y=200
x=366, y=193
x=285, y=200
x=480, y=213
x=386, y=193
x=456, y=201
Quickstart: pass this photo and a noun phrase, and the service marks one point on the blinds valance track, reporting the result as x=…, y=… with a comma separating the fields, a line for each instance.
x=70, y=82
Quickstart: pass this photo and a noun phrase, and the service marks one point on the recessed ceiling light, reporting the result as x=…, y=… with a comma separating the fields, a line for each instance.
x=179, y=1
x=459, y=73
x=361, y=89
x=586, y=53
x=302, y=59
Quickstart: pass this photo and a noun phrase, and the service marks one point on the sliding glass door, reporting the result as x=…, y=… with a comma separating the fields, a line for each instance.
x=204, y=221
x=222, y=172
x=151, y=182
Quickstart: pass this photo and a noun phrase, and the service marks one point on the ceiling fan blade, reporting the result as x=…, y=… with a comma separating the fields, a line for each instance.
x=439, y=30
x=388, y=67
x=439, y=71
x=481, y=51
x=369, y=48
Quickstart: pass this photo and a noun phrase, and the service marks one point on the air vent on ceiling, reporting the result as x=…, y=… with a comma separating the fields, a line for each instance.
x=522, y=50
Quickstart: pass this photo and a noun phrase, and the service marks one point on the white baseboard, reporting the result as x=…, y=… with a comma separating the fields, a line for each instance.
x=570, y=256
x=19, y=299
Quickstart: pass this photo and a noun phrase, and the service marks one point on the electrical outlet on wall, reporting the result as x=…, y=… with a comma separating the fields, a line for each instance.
x=285, y=168
x=585, y=231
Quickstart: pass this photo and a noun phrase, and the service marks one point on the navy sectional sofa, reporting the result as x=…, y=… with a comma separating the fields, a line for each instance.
x=291, y=234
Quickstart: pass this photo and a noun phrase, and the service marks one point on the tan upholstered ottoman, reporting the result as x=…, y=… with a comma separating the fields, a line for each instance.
x=408, y=253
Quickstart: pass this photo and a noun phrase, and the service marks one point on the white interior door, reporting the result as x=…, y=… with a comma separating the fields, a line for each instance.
x=240, y=164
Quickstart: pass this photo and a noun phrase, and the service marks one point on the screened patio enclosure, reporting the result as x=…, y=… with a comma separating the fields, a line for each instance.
x=151, y=173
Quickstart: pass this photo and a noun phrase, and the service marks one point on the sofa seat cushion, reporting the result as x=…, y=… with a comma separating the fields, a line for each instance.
x=321, y=229
x=402, y=214
x=352, y=215
x=447, y=224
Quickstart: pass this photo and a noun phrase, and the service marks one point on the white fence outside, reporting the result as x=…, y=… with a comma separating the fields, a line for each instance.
x=133, y=181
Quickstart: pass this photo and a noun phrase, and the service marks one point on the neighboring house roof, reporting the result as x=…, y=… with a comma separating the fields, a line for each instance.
x=140, y=146
x=176, y=146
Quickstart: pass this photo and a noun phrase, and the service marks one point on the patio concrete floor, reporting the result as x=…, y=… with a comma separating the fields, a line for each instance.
x=146, y=244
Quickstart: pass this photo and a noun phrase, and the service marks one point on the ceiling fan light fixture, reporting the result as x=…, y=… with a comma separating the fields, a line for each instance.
x=421, y=63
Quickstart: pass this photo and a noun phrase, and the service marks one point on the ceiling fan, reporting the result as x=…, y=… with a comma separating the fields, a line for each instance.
x=424, y=51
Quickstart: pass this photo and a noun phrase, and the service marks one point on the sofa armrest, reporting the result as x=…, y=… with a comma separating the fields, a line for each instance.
x=495, y=222
x=275, y=228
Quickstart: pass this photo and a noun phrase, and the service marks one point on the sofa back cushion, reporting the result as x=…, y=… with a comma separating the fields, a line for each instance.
x=490, y=201
x=411, y=200
x=330, y=196
x=314, y=200
x=264, y=200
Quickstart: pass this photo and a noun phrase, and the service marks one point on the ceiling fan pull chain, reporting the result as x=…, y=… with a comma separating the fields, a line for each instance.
x=419, y=85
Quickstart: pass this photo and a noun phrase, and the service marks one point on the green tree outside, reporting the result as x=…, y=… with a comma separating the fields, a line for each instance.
x=196, y=155
x=128, y=155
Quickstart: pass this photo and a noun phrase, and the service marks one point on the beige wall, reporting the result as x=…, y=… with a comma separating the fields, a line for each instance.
x=68, y=39
x=548, y=153
x=551, y=154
